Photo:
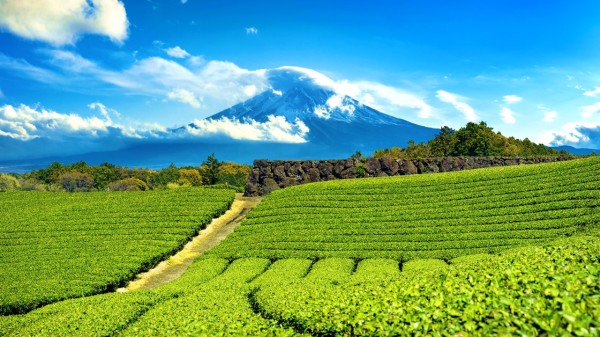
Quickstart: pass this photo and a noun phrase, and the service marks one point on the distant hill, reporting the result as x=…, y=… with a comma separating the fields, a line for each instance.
x=576, y=151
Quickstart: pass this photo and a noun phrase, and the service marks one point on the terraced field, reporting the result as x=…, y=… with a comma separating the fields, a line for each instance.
x=530, y=285
x=58, y=245
x=440, y=216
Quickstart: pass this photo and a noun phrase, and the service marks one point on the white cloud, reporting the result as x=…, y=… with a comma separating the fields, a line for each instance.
x=275, y=129
x=387, y=99
x=574, y=134
x=105, y=111
x=251, y=31
x=508, y=116
x=250, y=90
x=592, y=93
x=196, y=60
x=588, y=111
x=457, y=102
x=512, y=99
x=550, y=116
x=25, y=69
x=217, y=84
x=184, y=96
x=63, y=23
x=337, y=102
x=177, y=52
x=25, y=123
x=322, y=112
x=71, y=61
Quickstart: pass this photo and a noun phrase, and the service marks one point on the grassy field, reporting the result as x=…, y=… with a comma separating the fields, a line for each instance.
x=58, y=245
x=528, y=286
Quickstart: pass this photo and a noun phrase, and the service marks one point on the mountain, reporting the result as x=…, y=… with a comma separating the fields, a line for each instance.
x=299, y=115
x=337, y=124
x=575, y=150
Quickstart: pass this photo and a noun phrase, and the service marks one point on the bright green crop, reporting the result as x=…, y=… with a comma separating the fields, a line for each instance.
x=459, y=254
x=439, y=216
x=55, y=246
x=531, y=291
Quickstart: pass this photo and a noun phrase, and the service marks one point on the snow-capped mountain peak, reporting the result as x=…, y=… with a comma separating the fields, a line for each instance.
x=307, y=95
x=328, y=117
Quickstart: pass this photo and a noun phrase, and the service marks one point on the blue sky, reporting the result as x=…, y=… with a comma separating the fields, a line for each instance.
x=527, y=68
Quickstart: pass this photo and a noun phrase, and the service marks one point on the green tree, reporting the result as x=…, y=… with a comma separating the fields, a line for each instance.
x=444, y=142
x=189, y=177
x=415, y=151
x=210, y=170
x=106, y=173
x=50, y=174
x=166, y=175
x=476, y=140
x=76, y=181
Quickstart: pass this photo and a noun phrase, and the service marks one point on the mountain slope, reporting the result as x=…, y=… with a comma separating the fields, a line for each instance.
x=334, y=121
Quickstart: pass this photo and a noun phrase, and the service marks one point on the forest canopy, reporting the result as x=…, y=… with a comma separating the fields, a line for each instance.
x=474, y=139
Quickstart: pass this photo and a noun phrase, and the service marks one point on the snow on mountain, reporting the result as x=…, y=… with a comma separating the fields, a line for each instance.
x=306, y=97
x=303, y=115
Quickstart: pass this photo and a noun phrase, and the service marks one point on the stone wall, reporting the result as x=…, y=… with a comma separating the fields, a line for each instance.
x=267, y=176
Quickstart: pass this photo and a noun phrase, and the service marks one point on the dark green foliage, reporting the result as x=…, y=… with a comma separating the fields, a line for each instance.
x=473, y=139
x=80, y=177
x=76, y=181
x=165, y=176
x=361, y=171
x=444, y=142
x=210, y=170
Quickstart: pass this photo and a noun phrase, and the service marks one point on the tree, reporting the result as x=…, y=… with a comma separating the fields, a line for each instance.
x=476, y=140
x=76, y=182
x=417, y=151
x=189, y=177
x=357, y=156
x=444, y=142
x=210, y=170
x=166, y=175
x=106, y=173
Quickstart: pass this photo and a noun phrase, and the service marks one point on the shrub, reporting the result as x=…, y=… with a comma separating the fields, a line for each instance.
x=8, y=183
x=129, y=184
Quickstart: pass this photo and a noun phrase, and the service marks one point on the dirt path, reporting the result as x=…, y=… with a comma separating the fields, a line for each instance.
x=214, y=233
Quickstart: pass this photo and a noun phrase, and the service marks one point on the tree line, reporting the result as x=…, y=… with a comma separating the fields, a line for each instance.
x=474, y=139
x=81, y=177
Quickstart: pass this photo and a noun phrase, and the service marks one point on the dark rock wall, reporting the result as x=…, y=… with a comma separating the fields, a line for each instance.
x=267, y=176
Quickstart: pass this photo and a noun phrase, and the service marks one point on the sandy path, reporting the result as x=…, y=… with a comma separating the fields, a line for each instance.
x=214, y=233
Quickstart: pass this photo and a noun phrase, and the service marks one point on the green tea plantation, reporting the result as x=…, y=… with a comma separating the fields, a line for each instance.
x=511, y=251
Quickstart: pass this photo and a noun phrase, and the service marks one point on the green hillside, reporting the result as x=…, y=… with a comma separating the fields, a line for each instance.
x=426, y=216
x=522, y=285
x=61, y=245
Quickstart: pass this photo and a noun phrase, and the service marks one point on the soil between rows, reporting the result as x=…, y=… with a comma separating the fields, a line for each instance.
x=212, y=235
